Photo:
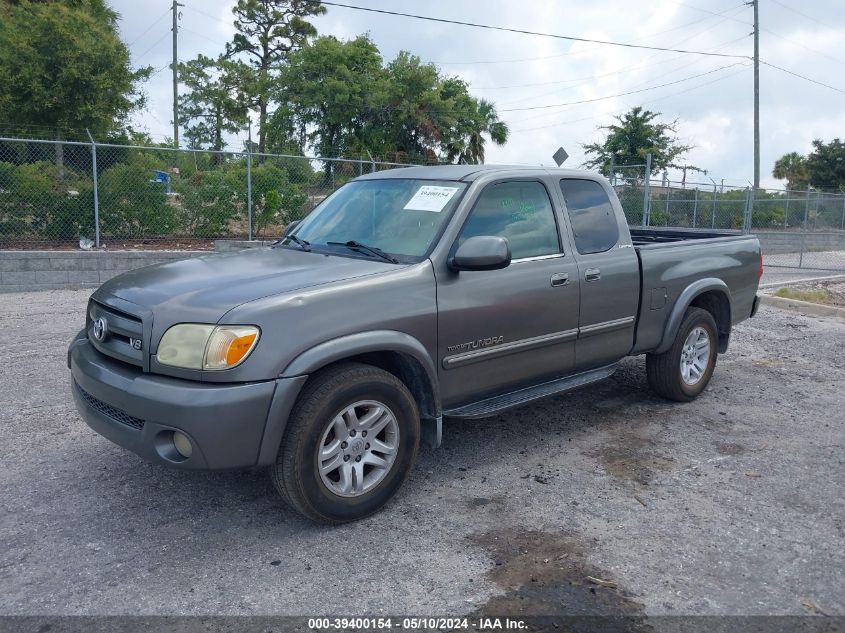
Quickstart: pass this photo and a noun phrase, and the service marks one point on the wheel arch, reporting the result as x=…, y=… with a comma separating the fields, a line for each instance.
x=710, y=294
x=395, y=352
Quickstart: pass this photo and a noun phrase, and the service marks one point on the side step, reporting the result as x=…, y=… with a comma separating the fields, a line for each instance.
x=492, y=406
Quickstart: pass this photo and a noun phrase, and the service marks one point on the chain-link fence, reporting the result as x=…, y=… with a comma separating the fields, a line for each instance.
x=58, y=194
x=797, y=229
x=63, y=194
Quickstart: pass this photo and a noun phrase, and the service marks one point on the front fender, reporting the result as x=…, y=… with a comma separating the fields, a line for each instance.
x=683, y=302
x=360, y=343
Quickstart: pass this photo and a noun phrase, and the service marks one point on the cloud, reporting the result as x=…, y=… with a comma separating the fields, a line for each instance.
x=714, y=110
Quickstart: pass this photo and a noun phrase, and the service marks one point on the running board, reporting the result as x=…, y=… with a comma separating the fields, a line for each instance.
x=491, y=406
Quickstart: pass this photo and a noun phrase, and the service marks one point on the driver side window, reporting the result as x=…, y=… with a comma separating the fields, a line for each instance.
x=519, y=211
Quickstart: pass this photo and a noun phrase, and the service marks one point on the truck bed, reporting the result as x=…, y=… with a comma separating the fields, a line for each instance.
x=671, y=260
x=643, y=237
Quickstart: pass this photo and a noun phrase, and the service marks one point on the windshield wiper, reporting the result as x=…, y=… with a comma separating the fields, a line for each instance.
x=358, y=246
x=304, y=245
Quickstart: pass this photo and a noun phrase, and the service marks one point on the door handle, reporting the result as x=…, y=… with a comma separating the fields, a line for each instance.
x=560, y=279
x=592, y=274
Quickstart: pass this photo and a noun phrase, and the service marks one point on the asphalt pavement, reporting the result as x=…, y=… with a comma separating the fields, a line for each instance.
x=731, y=504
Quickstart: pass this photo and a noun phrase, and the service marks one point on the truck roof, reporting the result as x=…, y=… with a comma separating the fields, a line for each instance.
x=469, y=173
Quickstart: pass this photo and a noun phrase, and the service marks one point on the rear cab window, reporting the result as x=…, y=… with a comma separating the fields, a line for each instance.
x=591, y=215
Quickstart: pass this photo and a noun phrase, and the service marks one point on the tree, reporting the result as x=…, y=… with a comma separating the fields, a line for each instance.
x=433, y=116
x=267, y=32
x=469, y=142
x=792, y=167
x=636, y=135
x=329, y=92
x=64, y=68
x=211, y=107
x=826, y=165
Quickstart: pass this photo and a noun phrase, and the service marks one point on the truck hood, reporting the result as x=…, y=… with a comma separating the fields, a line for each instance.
x=204, y=288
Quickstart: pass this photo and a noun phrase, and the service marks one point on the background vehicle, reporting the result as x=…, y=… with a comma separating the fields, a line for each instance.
x=407, y=296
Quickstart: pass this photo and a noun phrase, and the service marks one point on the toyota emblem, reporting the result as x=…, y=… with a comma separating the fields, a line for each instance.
x=100, y=329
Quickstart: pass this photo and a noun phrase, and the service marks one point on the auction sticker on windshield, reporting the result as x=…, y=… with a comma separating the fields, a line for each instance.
x=431, y=198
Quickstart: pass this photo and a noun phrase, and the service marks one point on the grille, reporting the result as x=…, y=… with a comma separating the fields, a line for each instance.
x=111, y=412
x=122, y=327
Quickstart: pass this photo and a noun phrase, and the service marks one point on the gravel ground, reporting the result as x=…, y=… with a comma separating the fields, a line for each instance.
x=729, y=505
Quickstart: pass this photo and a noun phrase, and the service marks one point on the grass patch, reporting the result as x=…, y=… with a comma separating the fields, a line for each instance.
x=810, y=296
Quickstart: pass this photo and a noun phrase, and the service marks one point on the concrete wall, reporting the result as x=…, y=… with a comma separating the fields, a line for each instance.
x=21, y=271
x=778, y=242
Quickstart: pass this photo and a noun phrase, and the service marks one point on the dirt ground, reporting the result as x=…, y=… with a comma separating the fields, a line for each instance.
x=730, y=505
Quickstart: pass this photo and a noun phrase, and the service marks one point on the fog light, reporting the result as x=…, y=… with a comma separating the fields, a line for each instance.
x=182, y=444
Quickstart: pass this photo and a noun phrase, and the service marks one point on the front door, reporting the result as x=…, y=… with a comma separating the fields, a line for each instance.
x=502, y=329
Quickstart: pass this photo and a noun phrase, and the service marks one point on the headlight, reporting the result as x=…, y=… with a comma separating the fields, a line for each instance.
x=198, y=346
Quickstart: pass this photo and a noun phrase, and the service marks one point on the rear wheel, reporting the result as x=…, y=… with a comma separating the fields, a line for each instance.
x=683, y=371
x=351, y=441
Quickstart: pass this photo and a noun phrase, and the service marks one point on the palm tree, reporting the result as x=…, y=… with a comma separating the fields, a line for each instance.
x=792, y=167
x=470, y=148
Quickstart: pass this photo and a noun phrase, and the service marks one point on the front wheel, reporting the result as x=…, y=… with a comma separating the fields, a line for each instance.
x=352, y=439
x=683, y=371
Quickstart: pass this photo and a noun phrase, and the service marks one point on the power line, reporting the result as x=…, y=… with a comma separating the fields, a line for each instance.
x=668, y=96
x=804, y=46
x=156, y=43
x=805, y=78
x=536, y=33
x=205, y=37
x=590, y=50
x=146, y=30
x=621, y=94
x=574, y=83
x=801, y=13
x=695, y=8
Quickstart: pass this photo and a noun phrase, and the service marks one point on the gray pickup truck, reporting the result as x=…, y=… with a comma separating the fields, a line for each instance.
x=405, y=297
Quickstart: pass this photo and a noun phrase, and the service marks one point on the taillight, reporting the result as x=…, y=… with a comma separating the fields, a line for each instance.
x=760, y=272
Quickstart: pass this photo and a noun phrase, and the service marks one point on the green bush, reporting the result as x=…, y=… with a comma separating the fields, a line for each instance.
x=131, y=205
x=275, y=200
x=209, y=201
x=43, y=200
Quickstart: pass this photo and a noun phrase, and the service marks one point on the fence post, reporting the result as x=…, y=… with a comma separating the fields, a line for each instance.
x=611, y=175
x=96, y=191
x=647, y=192
x=695, y=207
x=786, y=213
x=713, y=215
x=668, y=202
x=842, y=225
x=804, y=228
x=746, y=216
x=249, y=192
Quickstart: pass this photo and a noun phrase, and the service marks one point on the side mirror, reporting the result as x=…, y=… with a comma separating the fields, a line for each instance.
x=483, y=252
x=290, y=227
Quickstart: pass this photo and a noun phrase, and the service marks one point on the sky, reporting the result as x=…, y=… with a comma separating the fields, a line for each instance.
x=534, y=80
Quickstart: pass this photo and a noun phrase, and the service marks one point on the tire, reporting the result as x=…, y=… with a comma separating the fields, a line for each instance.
x=664, y=371
x=329, y=420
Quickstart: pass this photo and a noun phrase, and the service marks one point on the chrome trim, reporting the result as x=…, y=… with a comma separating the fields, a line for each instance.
x=475, y=356
x=538, y=258
x=605, y=326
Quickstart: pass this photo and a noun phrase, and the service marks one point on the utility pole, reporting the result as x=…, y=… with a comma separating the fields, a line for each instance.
x=755, y=5
x=175, y=10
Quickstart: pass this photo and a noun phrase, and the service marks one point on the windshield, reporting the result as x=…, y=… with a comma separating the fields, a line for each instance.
x=399, y=216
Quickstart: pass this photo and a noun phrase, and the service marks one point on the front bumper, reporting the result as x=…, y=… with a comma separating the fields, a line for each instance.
x=229, y=425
